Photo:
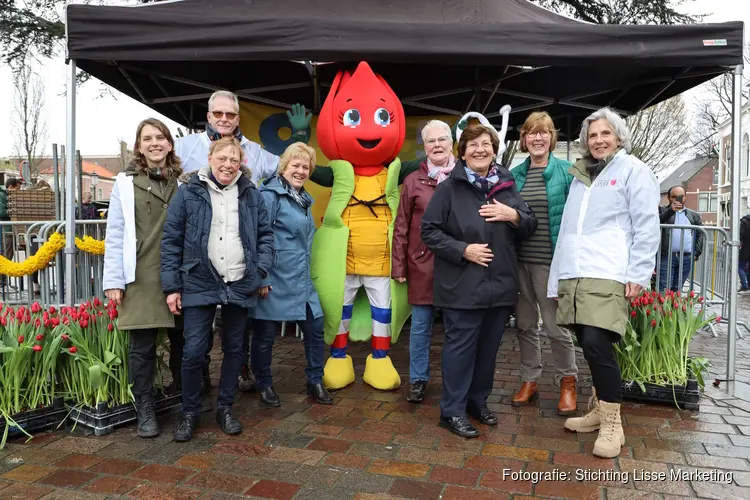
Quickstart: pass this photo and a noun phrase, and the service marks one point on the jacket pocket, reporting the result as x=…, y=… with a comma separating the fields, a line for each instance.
x=419, y=252
x=188, y=266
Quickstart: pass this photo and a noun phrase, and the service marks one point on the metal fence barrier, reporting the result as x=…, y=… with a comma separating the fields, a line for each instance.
x=23, y=239
x=707, y=275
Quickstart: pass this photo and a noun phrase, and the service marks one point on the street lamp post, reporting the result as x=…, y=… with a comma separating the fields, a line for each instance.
x=94, y=182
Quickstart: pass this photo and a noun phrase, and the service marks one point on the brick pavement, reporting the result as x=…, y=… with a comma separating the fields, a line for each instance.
x=373, y=445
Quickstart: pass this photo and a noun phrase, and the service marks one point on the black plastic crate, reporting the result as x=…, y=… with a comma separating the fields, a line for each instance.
x=687, y=397
x=41, y=419
x=104, y=419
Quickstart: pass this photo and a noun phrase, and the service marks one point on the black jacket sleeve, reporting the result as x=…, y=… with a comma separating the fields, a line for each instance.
x=699, y=236
x=433, y=229
x=172, y=244
x=665, y=213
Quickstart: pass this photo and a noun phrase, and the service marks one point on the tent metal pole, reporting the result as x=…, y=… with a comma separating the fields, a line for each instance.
x=735, y=220
x=569, y=132
x=70, y=191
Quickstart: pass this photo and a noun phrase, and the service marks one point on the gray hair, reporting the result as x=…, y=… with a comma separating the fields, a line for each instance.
x=615, y=121
x=436, y=124
x=223, y=93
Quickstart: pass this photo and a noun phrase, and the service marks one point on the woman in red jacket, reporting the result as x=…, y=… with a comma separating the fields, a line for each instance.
x=412, y=262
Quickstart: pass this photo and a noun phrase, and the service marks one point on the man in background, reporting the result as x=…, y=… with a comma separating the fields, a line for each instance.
x=685, y=245
x=7, y=233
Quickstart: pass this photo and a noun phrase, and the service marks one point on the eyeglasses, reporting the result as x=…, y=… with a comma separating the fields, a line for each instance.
x=224, y=159
x=441, y=140
x=219, y=114
x=473, y=146
x=544, y=134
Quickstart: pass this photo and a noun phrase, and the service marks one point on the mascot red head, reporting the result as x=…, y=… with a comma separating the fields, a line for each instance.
x=362, y=121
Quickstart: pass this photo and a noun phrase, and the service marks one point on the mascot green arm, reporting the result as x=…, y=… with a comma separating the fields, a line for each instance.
x=328, y=260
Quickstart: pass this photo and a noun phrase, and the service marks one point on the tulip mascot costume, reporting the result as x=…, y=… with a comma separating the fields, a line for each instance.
x=361, y=129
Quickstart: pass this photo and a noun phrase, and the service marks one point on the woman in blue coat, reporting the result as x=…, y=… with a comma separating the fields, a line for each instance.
x=293, y=296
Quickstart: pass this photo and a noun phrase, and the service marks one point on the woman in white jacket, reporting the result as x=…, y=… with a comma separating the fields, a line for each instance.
x=604, y=257
x=132, y=260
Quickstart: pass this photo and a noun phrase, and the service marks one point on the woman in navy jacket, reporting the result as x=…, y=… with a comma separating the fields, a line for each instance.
x=217, y=249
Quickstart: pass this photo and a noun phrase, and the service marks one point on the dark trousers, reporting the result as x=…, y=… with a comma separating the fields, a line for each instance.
x=142, y=358
x=261, y=350
x=598, y=349
x=198, y=321
x=472, y=338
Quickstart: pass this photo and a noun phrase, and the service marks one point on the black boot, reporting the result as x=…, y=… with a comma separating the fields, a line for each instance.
x=148, y=427
x=319, y=394
x=246, y=382
x=269, y=397
x=227, y=422
x=185, y=427
x=416, y=393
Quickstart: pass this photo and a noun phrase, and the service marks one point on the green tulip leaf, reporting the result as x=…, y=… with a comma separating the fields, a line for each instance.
x=95, y=376
x=109, y=357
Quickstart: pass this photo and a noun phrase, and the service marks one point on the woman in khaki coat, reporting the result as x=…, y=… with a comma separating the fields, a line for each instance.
x=135, y=225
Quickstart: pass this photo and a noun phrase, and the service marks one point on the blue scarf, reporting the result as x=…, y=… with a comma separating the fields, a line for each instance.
x=484, y=184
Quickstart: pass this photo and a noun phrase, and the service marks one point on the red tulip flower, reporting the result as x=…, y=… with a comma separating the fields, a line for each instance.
x=37, y=348
x=72, y=350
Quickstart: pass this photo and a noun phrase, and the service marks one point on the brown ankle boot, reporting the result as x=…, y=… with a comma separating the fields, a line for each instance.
x=527, y=393
x=567, y=404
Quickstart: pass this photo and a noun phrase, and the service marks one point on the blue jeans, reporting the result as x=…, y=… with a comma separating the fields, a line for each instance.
x=674, y=260
x=419, y=343
x=198, y=322
x=742, y=270
x=261, y=350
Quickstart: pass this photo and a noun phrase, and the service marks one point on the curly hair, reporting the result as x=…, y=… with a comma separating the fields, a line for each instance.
x=173, y=165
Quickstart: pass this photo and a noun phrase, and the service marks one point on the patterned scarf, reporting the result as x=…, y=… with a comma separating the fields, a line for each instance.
x=301, y=197
x=440, y=173
x=213, y=135
x=484, y=184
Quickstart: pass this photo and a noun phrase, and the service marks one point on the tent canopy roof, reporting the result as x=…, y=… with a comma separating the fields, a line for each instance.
x=440, y=56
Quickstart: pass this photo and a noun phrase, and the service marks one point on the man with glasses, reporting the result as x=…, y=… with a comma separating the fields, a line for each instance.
x=224, y=121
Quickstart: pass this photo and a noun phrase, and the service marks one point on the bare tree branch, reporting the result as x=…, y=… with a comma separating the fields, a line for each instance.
x=659, y=133
x=28, y=117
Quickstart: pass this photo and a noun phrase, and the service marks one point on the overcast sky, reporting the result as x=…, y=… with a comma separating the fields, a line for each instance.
x=103, y=121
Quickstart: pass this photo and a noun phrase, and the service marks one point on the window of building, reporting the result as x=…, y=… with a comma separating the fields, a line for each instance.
x=727, y=161
x=745, y=155
x=708, y=202
x=100, y=195
x=716, y=176
x=703, y=202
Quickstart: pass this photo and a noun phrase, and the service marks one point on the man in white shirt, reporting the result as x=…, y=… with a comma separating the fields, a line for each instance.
x=224, y=120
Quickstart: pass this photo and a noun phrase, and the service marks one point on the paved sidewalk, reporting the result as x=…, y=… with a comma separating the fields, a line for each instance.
x=372, y=445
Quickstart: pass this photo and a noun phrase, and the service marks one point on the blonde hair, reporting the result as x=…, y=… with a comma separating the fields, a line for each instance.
x=225, y=142
x=297, y=150
x=536, y=122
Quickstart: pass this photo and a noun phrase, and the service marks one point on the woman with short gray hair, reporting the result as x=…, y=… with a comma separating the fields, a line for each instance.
x=411, y=261
x=604, y=257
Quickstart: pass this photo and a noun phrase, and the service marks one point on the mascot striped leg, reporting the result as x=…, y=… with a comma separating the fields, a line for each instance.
x=379, y=370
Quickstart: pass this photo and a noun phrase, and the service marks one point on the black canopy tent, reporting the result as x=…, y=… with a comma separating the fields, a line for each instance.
x=440, y=56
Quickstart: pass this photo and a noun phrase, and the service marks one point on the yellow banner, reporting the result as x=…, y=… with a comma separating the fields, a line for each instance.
x=269, y=127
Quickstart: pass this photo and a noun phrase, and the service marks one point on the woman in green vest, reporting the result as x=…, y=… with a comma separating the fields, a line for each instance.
x=544, y=181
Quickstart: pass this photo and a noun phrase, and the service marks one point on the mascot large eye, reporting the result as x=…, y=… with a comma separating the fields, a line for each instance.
x=382, y=117
x=352, y=118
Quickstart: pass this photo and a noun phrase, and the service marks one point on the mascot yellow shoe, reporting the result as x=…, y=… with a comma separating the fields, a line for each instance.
x=380, y=374
x=338, y=373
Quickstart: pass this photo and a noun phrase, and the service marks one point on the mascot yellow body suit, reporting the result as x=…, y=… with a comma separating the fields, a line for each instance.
x=361, y=128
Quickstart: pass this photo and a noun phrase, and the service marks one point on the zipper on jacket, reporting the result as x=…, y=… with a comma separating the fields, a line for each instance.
x=579, y=229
